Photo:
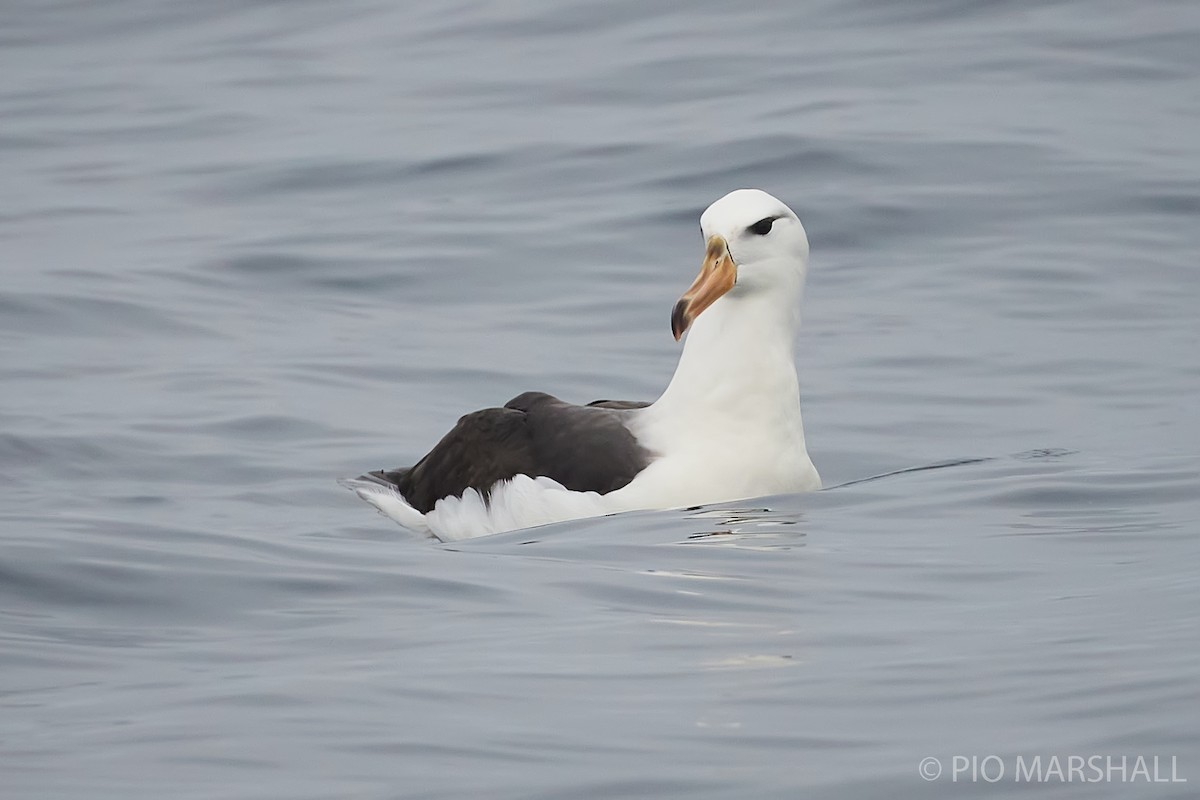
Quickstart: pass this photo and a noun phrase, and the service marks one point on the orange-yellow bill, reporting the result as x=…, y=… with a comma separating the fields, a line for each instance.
x=717, y=276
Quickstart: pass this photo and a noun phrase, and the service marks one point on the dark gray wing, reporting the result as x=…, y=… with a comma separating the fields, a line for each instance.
x=585, y=448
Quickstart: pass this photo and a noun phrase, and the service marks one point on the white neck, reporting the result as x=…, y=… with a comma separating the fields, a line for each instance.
x=728, y=426
x=739, y=357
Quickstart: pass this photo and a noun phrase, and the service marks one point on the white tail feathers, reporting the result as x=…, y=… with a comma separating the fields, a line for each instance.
x=389, y=502
x=520, y=502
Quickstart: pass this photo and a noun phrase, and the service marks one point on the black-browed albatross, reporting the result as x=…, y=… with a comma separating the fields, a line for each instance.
x=727, y=427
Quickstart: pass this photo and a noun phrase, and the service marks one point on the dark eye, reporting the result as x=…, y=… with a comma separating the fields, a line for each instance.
x=763, y=226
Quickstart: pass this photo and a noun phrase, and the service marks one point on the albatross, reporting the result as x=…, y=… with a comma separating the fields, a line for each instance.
x=726, y=428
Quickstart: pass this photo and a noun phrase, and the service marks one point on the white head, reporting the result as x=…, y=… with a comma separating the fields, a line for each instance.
x=753, y=243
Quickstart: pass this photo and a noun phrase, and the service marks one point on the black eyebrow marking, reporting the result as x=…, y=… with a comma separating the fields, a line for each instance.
x=763, y=226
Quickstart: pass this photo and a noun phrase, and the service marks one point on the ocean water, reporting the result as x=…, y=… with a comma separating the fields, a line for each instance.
x=249, y=248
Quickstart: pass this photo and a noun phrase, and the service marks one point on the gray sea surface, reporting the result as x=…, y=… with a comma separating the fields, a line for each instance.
x=248, y=248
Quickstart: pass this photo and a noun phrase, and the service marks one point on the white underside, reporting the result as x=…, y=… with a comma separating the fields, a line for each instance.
x=525, y=502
